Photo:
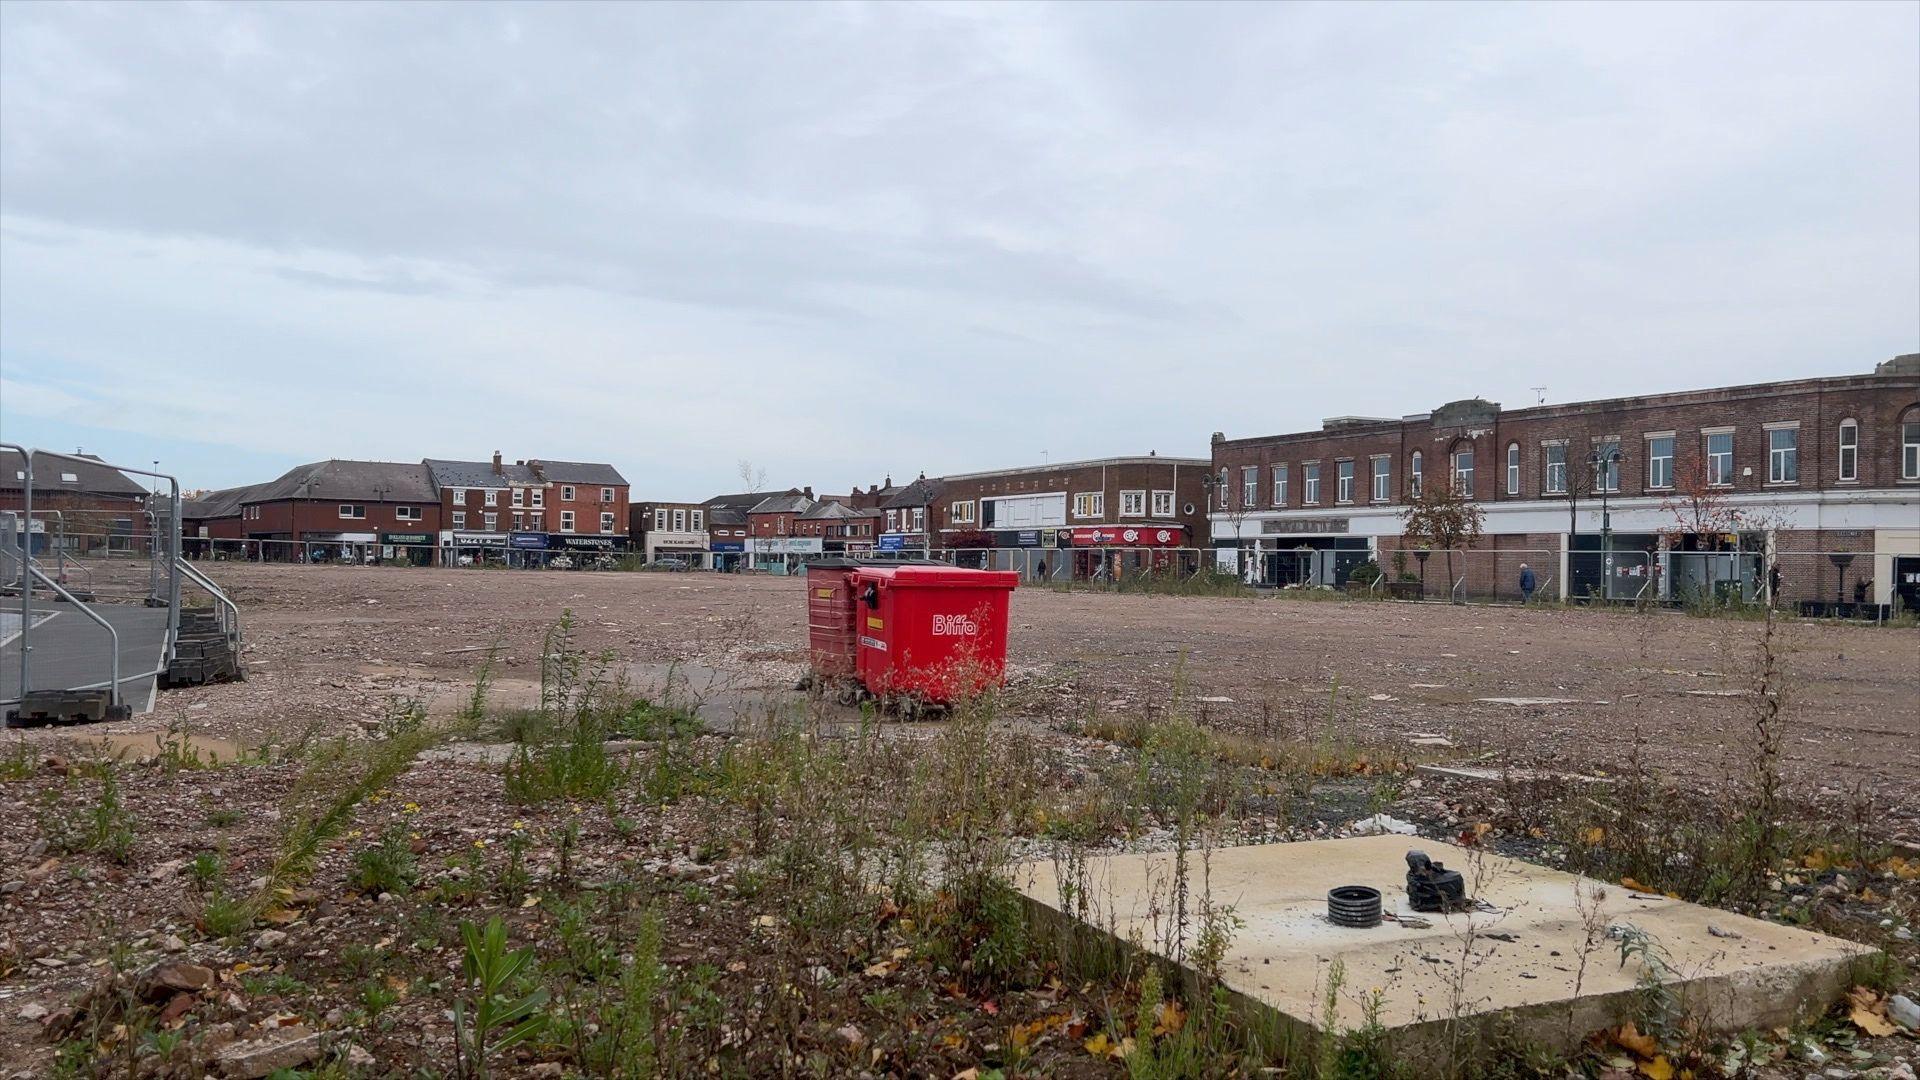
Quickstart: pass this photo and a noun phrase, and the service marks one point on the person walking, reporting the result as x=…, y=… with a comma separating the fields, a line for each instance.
x=1527, y=584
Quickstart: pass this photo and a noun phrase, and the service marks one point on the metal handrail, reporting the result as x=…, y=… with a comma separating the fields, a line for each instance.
x=231, y=626
x=96, y=617
x=1458, y=587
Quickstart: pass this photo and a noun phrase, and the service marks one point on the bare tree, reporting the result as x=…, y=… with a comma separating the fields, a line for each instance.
x=755, y=478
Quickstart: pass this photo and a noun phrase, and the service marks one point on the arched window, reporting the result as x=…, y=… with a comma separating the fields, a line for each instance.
x=1413, y=476
x=1513, y=468
x=1910, y=444
x=1461, y=464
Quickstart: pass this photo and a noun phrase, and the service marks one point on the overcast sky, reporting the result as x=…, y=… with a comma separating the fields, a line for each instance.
x=843, y=240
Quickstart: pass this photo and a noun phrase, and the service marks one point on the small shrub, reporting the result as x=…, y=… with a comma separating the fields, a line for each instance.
x=387, y=866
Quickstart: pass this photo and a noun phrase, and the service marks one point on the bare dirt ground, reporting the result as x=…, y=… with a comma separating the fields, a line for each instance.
x=331, y=644
x=115, y=958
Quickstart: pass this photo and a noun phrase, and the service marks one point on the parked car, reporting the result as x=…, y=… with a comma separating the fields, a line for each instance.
x=670, y=564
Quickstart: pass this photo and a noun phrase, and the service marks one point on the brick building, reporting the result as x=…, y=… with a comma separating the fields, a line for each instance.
x=727, y=526
x=92, y=503
x=526, y=512
x=339, y=510
x=1139, y=502
x=773, y=542
x=841, y=528
x=1664, y=495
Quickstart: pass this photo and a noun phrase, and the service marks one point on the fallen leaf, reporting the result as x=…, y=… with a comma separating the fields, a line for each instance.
x=1657, y=1069
x=1169, y=1018
x=1871, y=1022
x=529, y=901
x=1631, y=1038
x=1633, y=885
x=1594, y=835
x=970, y=1074
x=1099, y=1045
x=990, y=1007
x=879, y=970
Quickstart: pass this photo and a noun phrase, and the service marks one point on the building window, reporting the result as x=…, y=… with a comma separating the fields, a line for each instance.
x=406, y=513
x=1089, y=504
x=1783, y=455
x=537, y=498
x=459, y=496
x=1222, y=491
x=1343, y=481
x=493, y=522
x=490, y=497
x=1720, y=458
x=459, y=519
x=566, y=492
x=566, y=521
x=519, y=496
x=606, y=521
x=961, y=512
x=1133, y=504
x=696, y=520
x=1660, y=461
x=1310, y=484
x=893, y=521
x=660, y=519
x=1249, y=487
x=353, y=510
x=919, y=518
x=1606, y=465
x=1849, y=450
x=1910, y=449
x=1279, y=485
x=1513, y=468
x=1414, y=473
x=679, y=521
x=1163, y=504
x=1555, y=480
x=534, y=522
x=1463, y=472
x=518, y=524
x=606, y=494
x=1382, y=479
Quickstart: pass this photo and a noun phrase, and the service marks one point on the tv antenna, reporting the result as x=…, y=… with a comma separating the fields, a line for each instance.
x=1539, y=394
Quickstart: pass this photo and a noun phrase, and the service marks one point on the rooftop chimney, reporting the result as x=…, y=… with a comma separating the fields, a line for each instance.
x=807, y=491
x=497, y=470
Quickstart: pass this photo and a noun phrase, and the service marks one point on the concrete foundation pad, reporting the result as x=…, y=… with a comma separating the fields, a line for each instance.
x=1519, y=958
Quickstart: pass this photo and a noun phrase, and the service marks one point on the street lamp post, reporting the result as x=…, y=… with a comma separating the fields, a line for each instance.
x=1605, y=466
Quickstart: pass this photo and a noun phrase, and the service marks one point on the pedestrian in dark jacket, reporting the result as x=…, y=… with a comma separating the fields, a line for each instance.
x=1527, y=583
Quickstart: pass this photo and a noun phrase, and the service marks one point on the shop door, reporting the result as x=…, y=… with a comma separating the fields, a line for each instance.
x=1906, y=582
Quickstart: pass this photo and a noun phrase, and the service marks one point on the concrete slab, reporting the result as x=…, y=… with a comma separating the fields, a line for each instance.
x=1519, y=958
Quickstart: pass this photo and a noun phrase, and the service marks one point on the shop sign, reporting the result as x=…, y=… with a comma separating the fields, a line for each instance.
x=891, y=542
x=588, y=543
x=406, y=538
x=727, y=546
x=1027, y=538
x=1306, y=525
x=789, y=545
x=466, y=539
x=1126, y=536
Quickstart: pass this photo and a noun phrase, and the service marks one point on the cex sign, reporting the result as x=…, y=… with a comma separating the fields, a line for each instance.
x=954, y=626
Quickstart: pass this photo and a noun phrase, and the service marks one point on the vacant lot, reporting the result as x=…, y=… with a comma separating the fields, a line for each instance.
x=790, y=894
x=331, y=644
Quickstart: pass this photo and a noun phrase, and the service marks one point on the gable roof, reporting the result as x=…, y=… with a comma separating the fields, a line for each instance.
x=213, y=505
x=835, y=510
x=782, y=504
x=919, y=493
x=477, y=474
x=745, y=500
x=375, y=481
x=578, y=472
x=725, y=515
x=50, y=471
